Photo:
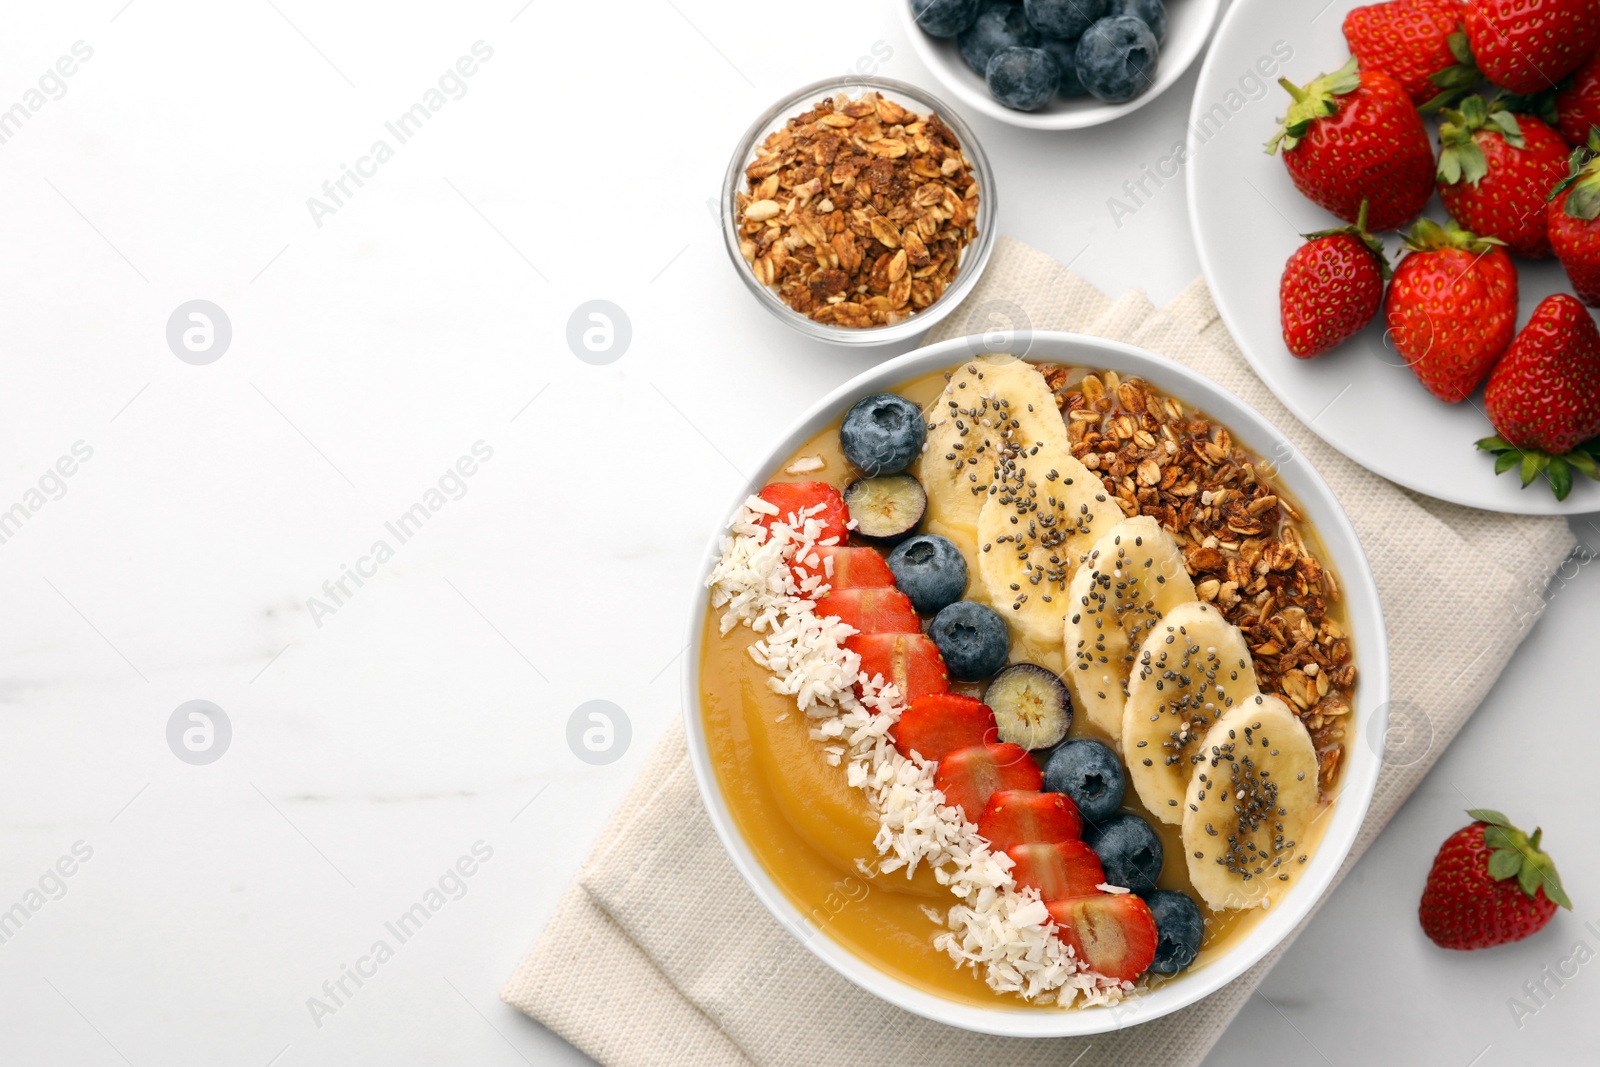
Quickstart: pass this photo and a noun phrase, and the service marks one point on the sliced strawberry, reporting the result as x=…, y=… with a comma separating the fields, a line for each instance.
x=935, y=726
x=1019, y=817
x=911, y=661
x=1057, y=869
x=1114, y=932
x=968, y=777
x=841, y=567
x=872, y=611
x=793, y=498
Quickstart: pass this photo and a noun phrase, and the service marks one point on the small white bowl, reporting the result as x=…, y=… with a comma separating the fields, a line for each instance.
x=1189, y=24
x=974, y=257
x=1363, y=755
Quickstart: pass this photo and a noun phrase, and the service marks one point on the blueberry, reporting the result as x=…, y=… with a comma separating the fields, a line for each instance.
x=944, y=18
x=1152, y=13
x=998, y=25
x=1117, y=58
x=882, y=434
x=1129, y=850
x=1023, y=79
x=1090, y=773
x=1066, y=19
x=1065, y=53
x=972, y=638
x=1179, y=929
x=930, y=570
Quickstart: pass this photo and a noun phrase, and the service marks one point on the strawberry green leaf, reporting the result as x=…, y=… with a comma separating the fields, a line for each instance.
x=1494, y=444
x=1502, y=837
x=1489, y=815
x=1551, y=883
x=1506, y=460
x=1560, y=477
x=1503, y=863
x=1528, y=878
x=1460, y=49
x=1532, y=464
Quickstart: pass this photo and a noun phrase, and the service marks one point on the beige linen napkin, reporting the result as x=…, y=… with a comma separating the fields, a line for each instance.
x=658, y=952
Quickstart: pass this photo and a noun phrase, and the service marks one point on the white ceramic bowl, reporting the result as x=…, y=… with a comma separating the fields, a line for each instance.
x=1362, y=757
x=974, y=257
x=1189, y=24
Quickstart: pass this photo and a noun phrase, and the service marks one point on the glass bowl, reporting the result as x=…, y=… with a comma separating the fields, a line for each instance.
x=974, y=257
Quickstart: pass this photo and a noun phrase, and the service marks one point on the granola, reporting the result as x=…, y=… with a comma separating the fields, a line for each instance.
x=857, y=211
x=1243, y=542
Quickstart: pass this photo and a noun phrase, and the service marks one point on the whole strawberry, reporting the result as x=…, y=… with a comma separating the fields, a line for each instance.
x=1496, y=171
x=1571, y=217
x=1418, y=43
x=1355, y=135
x=1452, y=307
x=1489, y=885
x=1527, y=46
x=1578, y=104
x=1331, y=287
x=1544, y=397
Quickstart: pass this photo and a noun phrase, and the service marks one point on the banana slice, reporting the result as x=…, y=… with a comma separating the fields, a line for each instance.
x=1249, y=805
x=1132, y=577
x=991, y=402
x=1193, y=668
x=1041, y=519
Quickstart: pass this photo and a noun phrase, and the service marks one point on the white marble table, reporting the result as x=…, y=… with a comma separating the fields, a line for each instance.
x=405, y=735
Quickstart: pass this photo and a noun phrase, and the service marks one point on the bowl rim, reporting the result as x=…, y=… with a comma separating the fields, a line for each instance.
x=933, y=55
x=974, y=257
x=1364, y=758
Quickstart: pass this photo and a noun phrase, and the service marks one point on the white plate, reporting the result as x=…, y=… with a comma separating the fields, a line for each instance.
x=1361, y=398
x=1363, y=757
x=1189, y=23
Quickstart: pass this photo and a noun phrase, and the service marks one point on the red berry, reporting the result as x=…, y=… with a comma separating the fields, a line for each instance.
x=911, y=661
x=1331, y=288
x=935, y=726
x=840, y=567
x=1409, y=40
x=1489, y=884
x=1020, y=816
x=872, y=611
x=1544, y=397
x=1496, y=171
x=1578, y=105
x=1057, y=869
x=1527, y=46
x=797, y=501
x=968, y=777
x=1452, y=308
x=1114, y=932
x=1354, y=136
x=1574, y=220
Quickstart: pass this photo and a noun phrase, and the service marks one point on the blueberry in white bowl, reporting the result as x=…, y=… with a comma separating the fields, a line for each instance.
x=1117, y=58
x=1129, y=850
x=972, y=638
x=999, y=25
x=1091, y=774
x=1023, y=79
x=944, y=18
x=1152, y=13
x=886, y=509
x=1065, y=53
x=1066, y=19
x=1179, y=929
x=930, y=570
x=882, y=434
x=1031, y=704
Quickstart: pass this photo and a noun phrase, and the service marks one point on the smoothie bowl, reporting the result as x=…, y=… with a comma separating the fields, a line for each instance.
x=1040, y=693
